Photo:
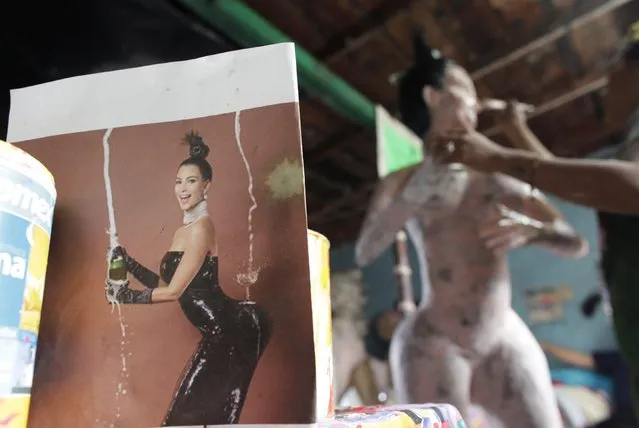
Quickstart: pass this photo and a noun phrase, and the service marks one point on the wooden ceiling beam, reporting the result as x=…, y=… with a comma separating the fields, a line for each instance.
x=345, y=160
x=584, y=87
x=340, y=232
x=355, y=195
x=348, y=212
x=619, y=103
x=326, y=182
x=583, y=144
x=325, y=150
x=315, y=159
x=362, y=29
x=576, y=22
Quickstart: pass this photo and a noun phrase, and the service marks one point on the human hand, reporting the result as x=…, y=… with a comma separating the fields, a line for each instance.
x=469, y=148
x=113, y=289
x=509, y=230
x=406, y=307
x=119, y=251
x=513, y=117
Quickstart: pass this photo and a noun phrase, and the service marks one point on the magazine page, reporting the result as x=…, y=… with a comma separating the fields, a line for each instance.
x=177, y=290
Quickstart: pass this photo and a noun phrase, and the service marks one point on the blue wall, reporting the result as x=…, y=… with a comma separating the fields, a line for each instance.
x=530, y=268
x=380, y=281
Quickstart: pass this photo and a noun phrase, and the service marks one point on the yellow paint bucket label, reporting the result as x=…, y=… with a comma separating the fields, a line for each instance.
x=319, y=264
x=27, y=198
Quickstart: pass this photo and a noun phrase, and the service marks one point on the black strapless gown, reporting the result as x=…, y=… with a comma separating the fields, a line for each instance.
x=234, y=335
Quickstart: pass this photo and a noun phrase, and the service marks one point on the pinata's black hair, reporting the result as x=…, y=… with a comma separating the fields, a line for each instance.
x=428, y=69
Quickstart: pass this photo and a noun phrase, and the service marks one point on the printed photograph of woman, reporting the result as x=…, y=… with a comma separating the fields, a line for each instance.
x=178, y=287
x=234, y=333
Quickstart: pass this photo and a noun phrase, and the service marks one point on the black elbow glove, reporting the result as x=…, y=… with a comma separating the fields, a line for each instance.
x=146, y=277
x=117, y=292
x=136, y=297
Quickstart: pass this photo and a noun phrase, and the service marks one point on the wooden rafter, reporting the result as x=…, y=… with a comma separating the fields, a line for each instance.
x=356, y=34
x=342, y=231
x=583, y=144
x=322, y=180
x=576, y=22
x=326, y=149
x=357, y=167
x=362, y=194
x=584, y=87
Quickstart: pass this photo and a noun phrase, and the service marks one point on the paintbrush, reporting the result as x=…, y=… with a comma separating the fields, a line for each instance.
x=500, y=105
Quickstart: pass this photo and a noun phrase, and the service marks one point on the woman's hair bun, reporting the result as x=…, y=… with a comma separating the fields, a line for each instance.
x=424, y=54
x=197, y=146
x=428, y=69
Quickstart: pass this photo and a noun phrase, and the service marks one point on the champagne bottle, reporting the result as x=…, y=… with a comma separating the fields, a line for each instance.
x=117, y=269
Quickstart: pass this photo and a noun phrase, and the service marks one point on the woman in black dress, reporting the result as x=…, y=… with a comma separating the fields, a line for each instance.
x=234, y=333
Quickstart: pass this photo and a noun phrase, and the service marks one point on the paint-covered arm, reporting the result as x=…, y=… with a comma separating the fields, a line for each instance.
x=388, y=212
x=514, y=125
x=551, y=230
x=523, y=138
x=146, y=277
x=605, y=185
x=558, y=230
x=557, y=235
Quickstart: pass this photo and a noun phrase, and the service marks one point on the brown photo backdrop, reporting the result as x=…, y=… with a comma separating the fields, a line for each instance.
x=79, y=356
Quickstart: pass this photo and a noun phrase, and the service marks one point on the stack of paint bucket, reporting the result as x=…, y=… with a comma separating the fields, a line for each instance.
x=318, y=250
x=27, y=199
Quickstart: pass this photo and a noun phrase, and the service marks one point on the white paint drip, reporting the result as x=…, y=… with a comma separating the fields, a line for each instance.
x=113, y=235
x=192, y=378
x=235, y=394
x=249, y=277
x=113, y=242
x=205, y=308
x=256, y=322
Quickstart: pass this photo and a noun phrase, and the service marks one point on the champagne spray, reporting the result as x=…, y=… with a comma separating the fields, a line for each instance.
x=116, y=266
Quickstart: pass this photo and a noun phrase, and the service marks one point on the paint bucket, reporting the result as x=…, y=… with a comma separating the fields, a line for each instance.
x=319, y=266
x=27, y=199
